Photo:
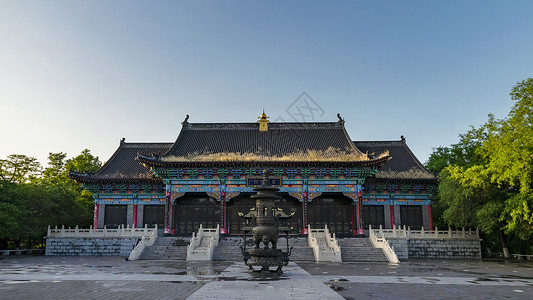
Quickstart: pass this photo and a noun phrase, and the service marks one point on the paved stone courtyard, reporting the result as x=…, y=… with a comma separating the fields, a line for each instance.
x=43, y=277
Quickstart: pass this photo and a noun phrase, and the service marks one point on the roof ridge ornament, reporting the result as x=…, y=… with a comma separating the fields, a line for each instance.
x=186, y=121
x=263, y=121
x=341, y=120
x=122, y=141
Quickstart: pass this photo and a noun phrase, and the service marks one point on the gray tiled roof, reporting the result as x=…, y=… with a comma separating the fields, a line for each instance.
x=402, y=158
x=123, y=164
x=280, y=139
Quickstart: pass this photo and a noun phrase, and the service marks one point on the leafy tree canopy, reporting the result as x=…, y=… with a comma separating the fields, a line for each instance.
x=30, y=200
x=19, y=168
x=486, y=178
x=85, y=162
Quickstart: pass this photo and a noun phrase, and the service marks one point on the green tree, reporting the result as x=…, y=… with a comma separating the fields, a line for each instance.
x=509, y=151
x=460, y=154
x=56, y=171
x=85, y=162
x=29, y=202
x=19, y=168
x=485, y=179
x=10, y=211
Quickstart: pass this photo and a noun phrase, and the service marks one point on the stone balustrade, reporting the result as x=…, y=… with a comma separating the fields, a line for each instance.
x=91, y=241
x=203, y=244
x=120, y=232
x=142, y=244
x=380, y=242
x=407, y=243
x=325, y=246
x=407, y=233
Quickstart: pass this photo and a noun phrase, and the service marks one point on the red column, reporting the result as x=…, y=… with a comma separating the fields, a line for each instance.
x=171, y=218
x=360, y=228
x=223, y=228
x=168, y=211
x=134, y=215
x=305, y=196
x=95, y=217
x=392, y=220
x=430, y=218
x=354, y=220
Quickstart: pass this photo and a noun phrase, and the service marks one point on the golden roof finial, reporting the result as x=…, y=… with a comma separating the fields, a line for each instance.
x=263, y=121
x=263, y=116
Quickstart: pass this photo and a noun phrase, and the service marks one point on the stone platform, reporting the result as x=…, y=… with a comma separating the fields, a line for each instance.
x=86, y=277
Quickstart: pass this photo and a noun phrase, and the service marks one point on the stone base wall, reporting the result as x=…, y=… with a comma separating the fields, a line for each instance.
x=90, y=246
x=421, y=248
x=400, y=248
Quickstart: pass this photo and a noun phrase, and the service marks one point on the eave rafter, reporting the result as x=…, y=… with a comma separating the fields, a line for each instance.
x=155, y=161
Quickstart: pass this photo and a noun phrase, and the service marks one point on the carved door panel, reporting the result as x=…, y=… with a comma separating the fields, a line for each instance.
x=411, y=216
x=115, y=215
x=154, y=214
x=240, y=204
x=373, y=215
x=193, y=210
x=335, y=211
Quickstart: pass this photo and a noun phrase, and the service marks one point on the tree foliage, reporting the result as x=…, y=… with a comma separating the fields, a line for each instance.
x=486, y=178
x=508, y=149
x=19, y=168
x=85, y=162
x=30, y=201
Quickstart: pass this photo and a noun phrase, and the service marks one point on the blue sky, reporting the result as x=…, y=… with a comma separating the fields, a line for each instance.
x=84, y=74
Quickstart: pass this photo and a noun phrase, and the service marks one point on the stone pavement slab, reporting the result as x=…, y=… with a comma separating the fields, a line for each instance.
x=294, y=283
x=38, y=277
x=127, y=290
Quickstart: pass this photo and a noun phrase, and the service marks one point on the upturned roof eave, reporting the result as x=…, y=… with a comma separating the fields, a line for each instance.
x=92, y=178
x=403, y=179
x=157, y=162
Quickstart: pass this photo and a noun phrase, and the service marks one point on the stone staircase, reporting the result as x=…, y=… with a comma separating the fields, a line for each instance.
x=167, y=248
x=360, y=250
x=203, y=244
x=324, y=244
x=228, y=248
x=300, y=251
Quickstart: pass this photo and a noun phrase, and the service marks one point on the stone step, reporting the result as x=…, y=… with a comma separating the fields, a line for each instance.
x=172, y=248
x=229, y=248
x=354, y=242
x=360, y=250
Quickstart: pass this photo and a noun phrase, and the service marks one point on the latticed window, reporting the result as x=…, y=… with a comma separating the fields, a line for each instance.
x=373, y=215
x=154, y=214
x=115, y=215
x=411, y=216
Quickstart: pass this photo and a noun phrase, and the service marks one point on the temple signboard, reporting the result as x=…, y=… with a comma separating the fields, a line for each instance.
x=258, y=181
